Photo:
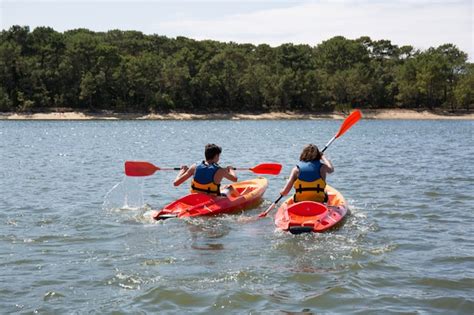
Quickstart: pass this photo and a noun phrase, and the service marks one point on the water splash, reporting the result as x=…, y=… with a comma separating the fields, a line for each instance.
x=125, y=195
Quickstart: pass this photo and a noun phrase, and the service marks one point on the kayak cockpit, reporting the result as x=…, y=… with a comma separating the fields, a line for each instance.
x=310, y=216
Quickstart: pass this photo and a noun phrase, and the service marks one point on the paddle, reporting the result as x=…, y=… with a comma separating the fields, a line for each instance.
x=346, y=125
x=140, y=168
x=264, y=168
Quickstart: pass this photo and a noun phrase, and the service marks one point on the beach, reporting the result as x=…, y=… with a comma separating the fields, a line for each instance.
x=382, y=114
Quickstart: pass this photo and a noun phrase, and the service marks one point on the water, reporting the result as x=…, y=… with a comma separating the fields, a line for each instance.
x=408, y=246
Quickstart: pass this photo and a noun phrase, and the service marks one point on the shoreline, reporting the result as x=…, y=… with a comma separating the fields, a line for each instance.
x=377, y=114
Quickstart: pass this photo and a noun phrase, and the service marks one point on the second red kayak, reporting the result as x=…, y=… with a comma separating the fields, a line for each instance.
x=310, y=216
x=250, y=193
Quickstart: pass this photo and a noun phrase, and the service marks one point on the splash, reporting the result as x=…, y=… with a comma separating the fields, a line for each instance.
x=125, y=195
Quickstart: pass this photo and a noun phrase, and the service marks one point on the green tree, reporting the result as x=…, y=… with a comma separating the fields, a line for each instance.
x=464, y=90
x=339, y=53
x=131, y=71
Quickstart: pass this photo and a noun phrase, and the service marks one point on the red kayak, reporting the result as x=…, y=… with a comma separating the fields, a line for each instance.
x=250, y=193
x=310, y=216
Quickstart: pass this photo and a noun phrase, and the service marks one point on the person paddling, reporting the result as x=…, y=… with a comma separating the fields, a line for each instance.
x=308, y=177
x=207, y=175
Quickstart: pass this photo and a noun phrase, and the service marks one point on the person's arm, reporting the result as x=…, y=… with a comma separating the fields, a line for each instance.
x=327, y=167
x=289, y=184
x=229, y=173
x=184, y=174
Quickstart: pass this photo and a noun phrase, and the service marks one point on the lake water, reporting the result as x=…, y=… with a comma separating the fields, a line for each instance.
x=408, y=246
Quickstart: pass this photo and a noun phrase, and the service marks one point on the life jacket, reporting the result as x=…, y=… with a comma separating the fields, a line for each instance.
x=309, y=185
x=203, y=180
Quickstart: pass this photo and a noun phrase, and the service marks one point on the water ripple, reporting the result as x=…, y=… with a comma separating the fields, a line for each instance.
x=77, y=236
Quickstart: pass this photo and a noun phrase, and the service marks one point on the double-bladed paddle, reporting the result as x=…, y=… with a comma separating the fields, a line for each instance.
x=350, y=121
x=142, y=168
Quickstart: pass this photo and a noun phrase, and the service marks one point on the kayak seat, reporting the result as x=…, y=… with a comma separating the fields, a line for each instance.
x=307, y=208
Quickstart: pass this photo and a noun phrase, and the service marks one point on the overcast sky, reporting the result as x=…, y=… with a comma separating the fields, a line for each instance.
x=420, y=23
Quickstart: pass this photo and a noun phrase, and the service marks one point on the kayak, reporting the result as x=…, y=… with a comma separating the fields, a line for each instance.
x=250, y=194
x=310, y=216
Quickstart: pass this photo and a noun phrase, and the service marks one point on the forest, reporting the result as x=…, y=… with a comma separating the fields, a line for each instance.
x=128, y=71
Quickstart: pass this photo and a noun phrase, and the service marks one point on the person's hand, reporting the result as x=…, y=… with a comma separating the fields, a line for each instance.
x=282, y=192
x=229, y=168
x=184, y=168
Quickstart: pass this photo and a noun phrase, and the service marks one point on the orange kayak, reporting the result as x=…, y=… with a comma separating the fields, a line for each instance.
x=310, y=216
x=250, y=193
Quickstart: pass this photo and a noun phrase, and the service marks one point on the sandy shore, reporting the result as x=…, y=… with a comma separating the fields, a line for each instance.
x=367, y=114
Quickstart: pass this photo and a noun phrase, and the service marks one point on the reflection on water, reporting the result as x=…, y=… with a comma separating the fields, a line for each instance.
x=206, y=246
x=206, y=232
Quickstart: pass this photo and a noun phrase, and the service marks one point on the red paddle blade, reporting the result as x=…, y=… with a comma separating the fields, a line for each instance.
x=267, y=168
x=354, y=117
x=264, y=213
x=137, y=168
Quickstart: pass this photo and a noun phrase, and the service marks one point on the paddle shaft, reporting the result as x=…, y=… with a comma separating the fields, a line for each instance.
x=263, y=214
x=178, y=168
x=279, y=198
x=329, y=143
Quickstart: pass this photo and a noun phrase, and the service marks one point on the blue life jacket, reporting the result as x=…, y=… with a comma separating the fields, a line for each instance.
x=203, y=180
x=309, y=185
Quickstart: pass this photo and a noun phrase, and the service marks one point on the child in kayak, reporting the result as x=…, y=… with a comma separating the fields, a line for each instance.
x=207, y=175
x=308, y=177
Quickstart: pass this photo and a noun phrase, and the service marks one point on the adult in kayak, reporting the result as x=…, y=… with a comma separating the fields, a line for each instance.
x=308, y=177
x=207, y=175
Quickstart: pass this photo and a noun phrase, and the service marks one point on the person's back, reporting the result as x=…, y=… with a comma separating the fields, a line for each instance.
x=309, y=185
x=308, y=177
x=204, y=179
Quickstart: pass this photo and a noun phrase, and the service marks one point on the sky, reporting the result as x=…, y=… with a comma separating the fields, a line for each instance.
x=420, y=23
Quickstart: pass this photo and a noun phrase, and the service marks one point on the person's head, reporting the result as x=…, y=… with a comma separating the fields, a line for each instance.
x=310, y=153
x=212, y=152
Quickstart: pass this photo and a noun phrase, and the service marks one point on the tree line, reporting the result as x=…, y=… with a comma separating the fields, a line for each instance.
x=128, y=71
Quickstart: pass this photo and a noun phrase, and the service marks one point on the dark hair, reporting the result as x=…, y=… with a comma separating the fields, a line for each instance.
x=310, y=153
x=211, y=150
